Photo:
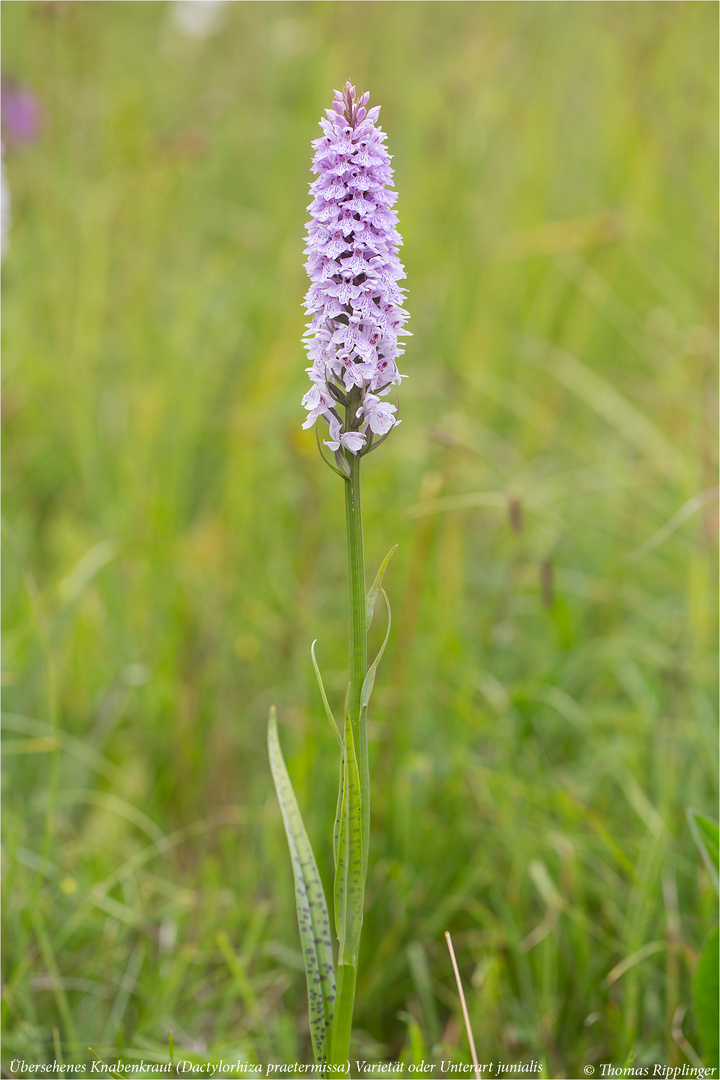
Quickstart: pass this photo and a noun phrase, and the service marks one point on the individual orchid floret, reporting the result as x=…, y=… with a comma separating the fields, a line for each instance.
x=354, y=301
x=379, y=414
x=351, y=440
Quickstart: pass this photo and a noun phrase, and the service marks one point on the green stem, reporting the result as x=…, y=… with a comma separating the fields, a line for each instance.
x=357, y=638
x=339, y=1051
x=342, y=1020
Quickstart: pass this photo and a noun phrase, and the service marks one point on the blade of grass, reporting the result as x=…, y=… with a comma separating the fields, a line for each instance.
x=58, y=989
x=463, y=1004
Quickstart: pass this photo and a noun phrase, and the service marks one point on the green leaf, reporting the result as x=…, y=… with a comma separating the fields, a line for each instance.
x=349, y=874
x=328, y=710
x=707, y=998
x=369, y=681
x=705, y=835
x=312, y=912
x=342, y=1021
x=339, y=809
x=338, y=736
x=417, y=1051
x=374, y=588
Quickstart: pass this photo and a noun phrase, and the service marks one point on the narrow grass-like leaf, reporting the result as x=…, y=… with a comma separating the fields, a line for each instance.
x=105, y=1068
x=422, y=980
x=705, y=835
x=253, y=1014
x=338, y=736
x=349, y=873
x=374, y=588
x=323, y=695
x=369, y=682
x=50, y=960
x=312, y=912
x=706, y=993
x=418, y=1049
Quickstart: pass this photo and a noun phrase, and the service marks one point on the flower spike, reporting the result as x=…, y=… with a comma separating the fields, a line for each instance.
x=354, y=300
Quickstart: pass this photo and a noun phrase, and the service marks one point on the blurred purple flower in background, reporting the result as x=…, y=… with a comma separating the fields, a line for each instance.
x=4, y=206
x=20, y=113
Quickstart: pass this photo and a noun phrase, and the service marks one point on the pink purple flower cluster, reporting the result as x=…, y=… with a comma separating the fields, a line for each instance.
x=354, y=301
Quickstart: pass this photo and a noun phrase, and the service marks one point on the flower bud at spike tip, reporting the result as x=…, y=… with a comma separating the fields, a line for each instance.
x=354, y=301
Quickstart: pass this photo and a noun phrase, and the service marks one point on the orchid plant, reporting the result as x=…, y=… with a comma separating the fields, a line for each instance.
x=356, y=318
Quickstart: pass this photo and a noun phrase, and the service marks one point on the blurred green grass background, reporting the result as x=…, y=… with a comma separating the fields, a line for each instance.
x=546, y=709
